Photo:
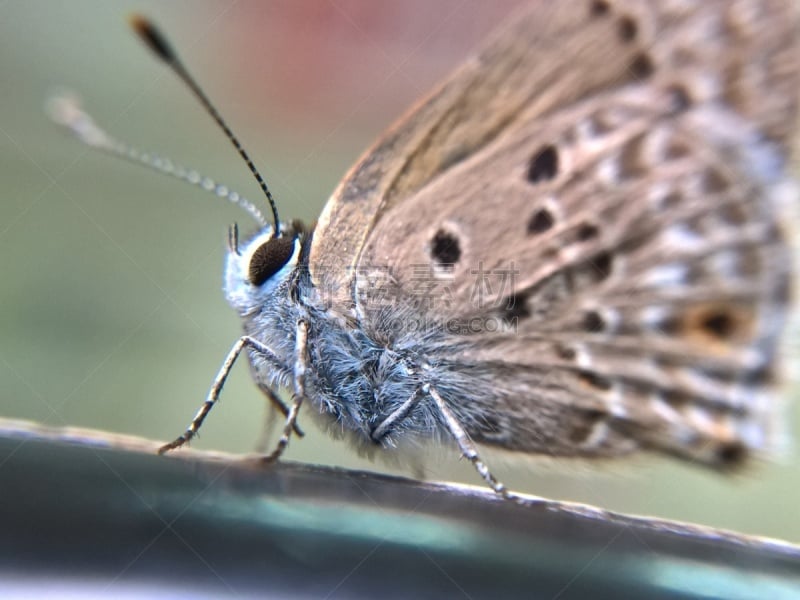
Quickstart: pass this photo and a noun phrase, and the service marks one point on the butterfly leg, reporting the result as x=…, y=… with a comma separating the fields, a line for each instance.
x=466, y=446
x=279, y=405
x=275, y=406
x=268, y=424
x=398, y=415
x=385, y=427
x=298, y=391
x=216, y=388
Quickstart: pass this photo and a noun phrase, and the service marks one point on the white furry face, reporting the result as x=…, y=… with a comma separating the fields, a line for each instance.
x=244, y=295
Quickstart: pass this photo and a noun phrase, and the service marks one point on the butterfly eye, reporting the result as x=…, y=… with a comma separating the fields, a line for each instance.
x=269, y=258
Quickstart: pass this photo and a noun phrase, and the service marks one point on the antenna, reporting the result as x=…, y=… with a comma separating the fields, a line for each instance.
x=156, y=41
x=64, y=108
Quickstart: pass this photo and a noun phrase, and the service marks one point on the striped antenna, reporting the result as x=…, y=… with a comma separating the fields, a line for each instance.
x=156, y=41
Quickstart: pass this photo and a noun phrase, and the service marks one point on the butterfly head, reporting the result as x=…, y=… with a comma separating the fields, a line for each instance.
x=254, y=270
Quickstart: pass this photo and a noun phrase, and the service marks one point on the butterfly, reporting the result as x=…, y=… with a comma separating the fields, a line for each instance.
x=574, y=247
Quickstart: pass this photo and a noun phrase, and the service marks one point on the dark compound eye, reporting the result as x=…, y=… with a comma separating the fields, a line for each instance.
x=269, y=258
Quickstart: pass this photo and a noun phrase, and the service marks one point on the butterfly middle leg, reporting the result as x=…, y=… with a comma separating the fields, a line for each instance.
x=298, y=390
x=274, y=406
x=398, y=415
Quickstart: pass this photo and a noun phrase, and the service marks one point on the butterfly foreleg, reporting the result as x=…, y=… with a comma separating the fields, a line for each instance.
x=298, y=390
x=468, y=449
x=216, y=388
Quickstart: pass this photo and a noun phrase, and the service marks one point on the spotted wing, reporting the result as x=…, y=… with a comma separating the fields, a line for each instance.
x=549, y=54
x=606, y=262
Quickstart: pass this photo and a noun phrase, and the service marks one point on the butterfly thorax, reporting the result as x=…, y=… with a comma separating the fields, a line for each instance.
x=359, y=378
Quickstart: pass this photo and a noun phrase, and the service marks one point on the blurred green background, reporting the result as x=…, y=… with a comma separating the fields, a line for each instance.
x=111, y=310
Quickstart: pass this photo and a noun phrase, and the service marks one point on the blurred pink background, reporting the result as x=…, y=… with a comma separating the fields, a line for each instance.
x=347, y=63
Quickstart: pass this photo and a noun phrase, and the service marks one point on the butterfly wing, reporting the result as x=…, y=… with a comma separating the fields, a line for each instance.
x=523, y=68
x=594, y=204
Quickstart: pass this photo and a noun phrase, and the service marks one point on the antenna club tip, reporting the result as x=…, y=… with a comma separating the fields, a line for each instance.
x=151, y=36
x=140, y=24
x=63, y=108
